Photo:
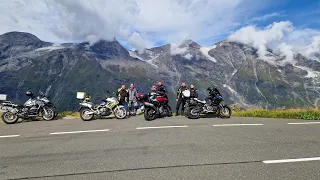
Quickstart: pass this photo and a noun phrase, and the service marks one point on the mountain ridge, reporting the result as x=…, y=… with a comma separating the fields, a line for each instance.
x=235, y=68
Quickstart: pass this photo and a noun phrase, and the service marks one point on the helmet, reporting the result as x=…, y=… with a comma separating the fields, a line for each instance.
x=29, y=93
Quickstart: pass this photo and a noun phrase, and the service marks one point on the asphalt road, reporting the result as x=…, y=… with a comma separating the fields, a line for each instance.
x=168, y=148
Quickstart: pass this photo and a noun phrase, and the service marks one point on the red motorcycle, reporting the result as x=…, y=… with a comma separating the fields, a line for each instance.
x=155, y=106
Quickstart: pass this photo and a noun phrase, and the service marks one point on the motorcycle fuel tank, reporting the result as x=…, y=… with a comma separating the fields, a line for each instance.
x=29, y=103
x=162, y=99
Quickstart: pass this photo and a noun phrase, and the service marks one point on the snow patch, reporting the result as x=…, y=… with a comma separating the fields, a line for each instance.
x=149, y=61
x=51, y=48
x=205, y=52
x=311, y=73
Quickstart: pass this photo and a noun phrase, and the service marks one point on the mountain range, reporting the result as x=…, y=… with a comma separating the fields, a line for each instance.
x=61, y=70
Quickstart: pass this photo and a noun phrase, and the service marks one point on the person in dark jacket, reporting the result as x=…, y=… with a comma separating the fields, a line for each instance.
x=123, y=96
x=161, y=89
x=180, y=98
x=193, y=92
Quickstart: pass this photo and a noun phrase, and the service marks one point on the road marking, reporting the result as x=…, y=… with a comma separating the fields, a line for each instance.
x=160, y=127
x=220, y=125
x=75, y=132
x=291, y=160
x=306, y=123
x=9, y=136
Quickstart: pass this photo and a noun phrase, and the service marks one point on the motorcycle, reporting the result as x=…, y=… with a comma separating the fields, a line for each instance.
x=33, y=107
x=155, y=106
x=107, y=106
x=211, y=105
x=42, y=97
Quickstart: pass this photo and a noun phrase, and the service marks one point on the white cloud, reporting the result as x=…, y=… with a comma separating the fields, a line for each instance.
x=180, y=47
x=92, y=39
x=265, y=17
x=164, y=20
x=188, y=56
x=176, y=50
x=281, y=37
x=137, y=41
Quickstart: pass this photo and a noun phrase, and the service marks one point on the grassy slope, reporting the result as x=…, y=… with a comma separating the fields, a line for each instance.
x=307, y=114
x=311, y=114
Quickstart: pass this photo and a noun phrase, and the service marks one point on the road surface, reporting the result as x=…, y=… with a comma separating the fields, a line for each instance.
x=168, y=148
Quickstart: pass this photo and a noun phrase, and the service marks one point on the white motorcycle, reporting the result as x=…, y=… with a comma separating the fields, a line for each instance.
x=33, y=107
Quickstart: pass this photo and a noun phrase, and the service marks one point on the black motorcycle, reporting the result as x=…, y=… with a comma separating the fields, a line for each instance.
x=155, y=106
x=211, y=105
x=33, y=107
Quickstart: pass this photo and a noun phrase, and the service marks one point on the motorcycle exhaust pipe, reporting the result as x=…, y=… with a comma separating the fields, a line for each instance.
x=89, y=113
x=197, y=111
x=148, y=104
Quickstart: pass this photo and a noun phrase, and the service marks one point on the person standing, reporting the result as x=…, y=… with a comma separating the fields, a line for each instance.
x=161, y=89
x=123, y=96
x=193, y=91
x=132, y=99
x=180, y=98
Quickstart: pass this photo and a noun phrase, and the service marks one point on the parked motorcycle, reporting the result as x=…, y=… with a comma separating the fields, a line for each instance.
x=155, y=106
x=211, y=105
x=33, y=107
x=107, y=106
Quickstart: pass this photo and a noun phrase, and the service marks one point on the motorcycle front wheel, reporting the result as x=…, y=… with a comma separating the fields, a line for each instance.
x=192, y=114
x=84, y=114
x=49, y=115
x=225, y=112
x=10, y=118
x=149, y=114
x=121, y=113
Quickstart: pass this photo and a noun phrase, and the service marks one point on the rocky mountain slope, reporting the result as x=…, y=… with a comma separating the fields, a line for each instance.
x=61, y=70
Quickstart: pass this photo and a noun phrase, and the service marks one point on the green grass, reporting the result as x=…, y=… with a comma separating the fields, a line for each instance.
x=68, y=113
x=306, y=114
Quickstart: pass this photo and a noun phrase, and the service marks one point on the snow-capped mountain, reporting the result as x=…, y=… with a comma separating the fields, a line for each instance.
x=61, y=70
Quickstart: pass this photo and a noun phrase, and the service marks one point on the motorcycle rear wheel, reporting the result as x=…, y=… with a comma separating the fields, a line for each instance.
x=148, y=115
x=10, y=118
x=84, y=116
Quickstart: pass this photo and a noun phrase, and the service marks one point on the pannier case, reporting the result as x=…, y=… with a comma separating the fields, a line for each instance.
x=3, y=97
x=80, y=95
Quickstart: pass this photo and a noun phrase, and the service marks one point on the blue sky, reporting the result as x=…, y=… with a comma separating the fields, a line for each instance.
x=302, y=13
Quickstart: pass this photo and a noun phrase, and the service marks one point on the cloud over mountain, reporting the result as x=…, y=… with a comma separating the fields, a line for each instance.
x=137, y=22
x=280, y=37
x=141, y=23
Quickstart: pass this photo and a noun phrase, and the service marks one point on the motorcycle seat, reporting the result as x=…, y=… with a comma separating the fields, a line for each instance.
x=198, y=100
